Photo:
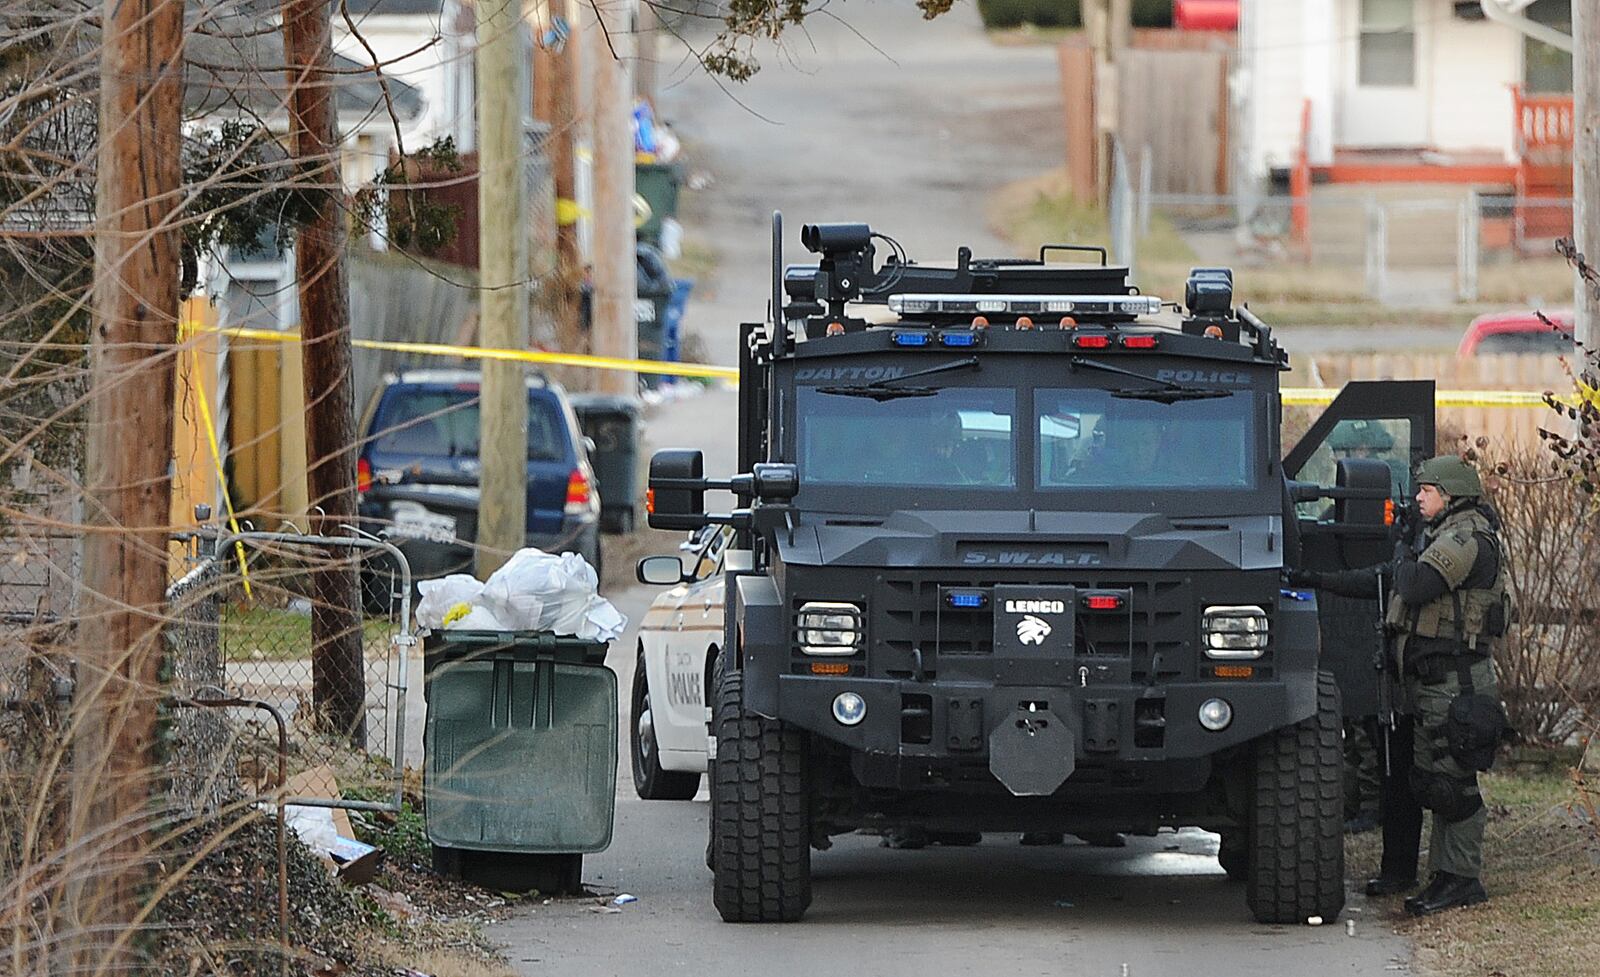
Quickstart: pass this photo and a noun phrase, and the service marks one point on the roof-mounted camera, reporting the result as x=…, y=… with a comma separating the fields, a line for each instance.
x=847, y=254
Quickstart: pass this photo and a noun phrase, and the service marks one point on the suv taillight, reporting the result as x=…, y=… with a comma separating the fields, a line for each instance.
x=577, y=491
x=363, y=475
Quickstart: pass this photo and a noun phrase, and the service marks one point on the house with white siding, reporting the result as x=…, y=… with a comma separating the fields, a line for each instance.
x=1394, y=90
x=428, y=45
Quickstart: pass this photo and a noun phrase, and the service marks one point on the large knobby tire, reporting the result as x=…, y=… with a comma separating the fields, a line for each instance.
x=1296, y=868
x=761, y=830
x=651, y=782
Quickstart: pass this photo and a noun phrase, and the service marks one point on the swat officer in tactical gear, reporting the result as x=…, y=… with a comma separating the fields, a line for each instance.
x=1448, y=604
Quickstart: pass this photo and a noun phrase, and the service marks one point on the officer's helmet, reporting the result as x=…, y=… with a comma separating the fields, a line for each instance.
x=1361, y=434
x=1453, y=476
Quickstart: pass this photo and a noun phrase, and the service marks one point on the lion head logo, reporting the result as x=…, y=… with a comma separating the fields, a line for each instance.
x=1032, y=630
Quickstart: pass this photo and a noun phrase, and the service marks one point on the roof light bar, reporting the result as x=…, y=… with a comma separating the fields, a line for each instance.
x=1091, y=305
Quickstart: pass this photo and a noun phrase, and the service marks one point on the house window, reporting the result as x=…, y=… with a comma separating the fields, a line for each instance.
x=1388, y=44
x=1546, y=69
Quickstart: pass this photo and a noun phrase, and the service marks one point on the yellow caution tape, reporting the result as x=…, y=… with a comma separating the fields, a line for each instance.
x=514, y=355
x=185, y=330
x=1319, y=396
x=1293, y=396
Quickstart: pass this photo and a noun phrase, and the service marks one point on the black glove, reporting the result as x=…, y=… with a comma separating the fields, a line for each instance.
x=1305, y=578
x=1409, y=523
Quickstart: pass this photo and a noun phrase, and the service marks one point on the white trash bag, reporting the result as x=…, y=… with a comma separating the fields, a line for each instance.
x=446, y=595
x=538, y=591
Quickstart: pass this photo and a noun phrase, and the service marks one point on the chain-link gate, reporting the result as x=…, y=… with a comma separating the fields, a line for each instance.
x=242, y=630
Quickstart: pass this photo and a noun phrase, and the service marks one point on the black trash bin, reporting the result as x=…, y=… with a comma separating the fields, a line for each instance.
x=612, y=423
x=520, y=756
x=654, y=290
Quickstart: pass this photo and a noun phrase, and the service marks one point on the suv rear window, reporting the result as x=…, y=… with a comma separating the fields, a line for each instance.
x=444, y=423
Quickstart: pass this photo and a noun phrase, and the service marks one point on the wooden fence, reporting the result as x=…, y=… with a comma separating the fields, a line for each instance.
x=1506, y=426
x=1172, y=97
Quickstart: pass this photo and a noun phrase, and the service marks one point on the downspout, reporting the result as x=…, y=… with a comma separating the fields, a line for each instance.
x=1509, y=13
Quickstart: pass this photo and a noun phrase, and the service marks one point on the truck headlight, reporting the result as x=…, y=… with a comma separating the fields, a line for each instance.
x=1234, y=631
x=829, y=628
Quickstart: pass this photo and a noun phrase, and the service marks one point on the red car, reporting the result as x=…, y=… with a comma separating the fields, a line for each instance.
x=1518, y=332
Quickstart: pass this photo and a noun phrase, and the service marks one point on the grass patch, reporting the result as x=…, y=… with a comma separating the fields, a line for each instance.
x=696, y=259
x=1043, y=210
x=1543, y=875
x=251, y=632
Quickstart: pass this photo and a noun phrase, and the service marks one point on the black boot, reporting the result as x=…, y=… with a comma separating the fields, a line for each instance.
x=1390, y=885
x=1429, y=891
x=1454, y=891
x=1041, y=839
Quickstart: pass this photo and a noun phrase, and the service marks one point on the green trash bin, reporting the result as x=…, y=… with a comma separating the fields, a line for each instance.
x=658, y=184
x=520, y=756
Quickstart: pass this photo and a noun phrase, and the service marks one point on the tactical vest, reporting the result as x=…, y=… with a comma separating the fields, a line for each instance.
x=1483, y=611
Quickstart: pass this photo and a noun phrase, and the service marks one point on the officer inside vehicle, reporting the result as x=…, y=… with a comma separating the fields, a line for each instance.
x=1447, y=606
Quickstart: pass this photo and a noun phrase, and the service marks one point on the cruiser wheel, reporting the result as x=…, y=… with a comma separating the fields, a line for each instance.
x=651, y=782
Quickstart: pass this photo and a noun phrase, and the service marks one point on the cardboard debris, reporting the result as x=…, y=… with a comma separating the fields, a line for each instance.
x=328, y=831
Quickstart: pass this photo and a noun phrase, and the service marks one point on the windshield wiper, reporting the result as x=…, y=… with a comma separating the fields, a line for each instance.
x=1168, y=392
x=880, y=391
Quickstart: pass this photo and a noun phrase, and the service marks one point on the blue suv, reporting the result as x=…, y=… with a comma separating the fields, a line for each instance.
x=418, y=471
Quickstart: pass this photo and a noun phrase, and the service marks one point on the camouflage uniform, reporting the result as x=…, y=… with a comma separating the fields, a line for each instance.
x=1448, y=604
x=1444, y=651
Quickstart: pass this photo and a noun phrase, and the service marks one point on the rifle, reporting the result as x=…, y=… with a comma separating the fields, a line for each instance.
x=1381, y=663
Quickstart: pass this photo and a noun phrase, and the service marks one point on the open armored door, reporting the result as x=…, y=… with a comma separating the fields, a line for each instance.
x=1388, y=420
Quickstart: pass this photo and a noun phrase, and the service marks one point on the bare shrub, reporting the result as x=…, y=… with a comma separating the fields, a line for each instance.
x=1550, y=679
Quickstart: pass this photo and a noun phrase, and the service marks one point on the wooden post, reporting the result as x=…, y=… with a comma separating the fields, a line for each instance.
x=503, y=273
x=338, y=680
x=614, y=332
x=555, y=100
x=1586, y=164
x=128, y=450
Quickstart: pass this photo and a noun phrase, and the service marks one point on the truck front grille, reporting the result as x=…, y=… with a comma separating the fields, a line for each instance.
x=909, y=613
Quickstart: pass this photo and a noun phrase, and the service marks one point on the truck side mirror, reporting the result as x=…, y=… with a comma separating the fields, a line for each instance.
x=677, y=490
x=1369, y=478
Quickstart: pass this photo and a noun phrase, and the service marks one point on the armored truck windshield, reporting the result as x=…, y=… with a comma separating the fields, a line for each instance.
x=972, y=437
x=868, y=436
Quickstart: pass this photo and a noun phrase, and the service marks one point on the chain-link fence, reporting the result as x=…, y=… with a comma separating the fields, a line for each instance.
x=242, y=629
x=1405, y=245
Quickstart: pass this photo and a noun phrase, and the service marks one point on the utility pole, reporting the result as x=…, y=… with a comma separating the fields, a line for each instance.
x=1109, y=25
x=555, y=99
x=1586, y=163
x=503, y=105
x=128, y=448
x=338, y=679
x=615, y=332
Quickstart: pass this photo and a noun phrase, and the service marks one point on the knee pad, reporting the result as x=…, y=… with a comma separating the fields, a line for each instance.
x=1448, y=798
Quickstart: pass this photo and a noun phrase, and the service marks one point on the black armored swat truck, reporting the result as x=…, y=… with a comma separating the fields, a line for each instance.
x=1010, y=542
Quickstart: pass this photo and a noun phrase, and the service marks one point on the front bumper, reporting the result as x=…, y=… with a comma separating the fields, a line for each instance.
x=1047, y=730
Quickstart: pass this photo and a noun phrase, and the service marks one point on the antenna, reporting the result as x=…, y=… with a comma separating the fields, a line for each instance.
x=780, y=328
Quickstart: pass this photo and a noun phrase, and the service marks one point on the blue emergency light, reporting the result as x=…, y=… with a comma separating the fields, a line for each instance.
x=960, y=338
x=910, y=337
x=966, y=600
